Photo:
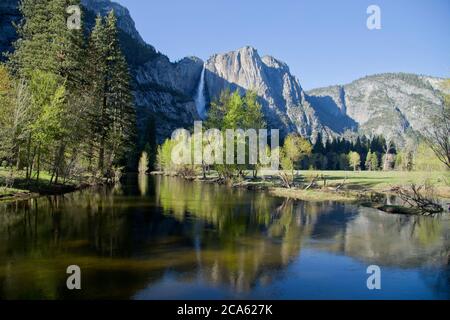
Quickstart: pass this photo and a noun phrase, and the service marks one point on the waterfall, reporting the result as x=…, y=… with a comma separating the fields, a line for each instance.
x=200, y=101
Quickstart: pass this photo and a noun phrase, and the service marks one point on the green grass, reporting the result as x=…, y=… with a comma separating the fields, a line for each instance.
x=21, y=187
x=382, y=179
x=313, y=195
x=358, y=181
x=9, y=191
x=375, y=180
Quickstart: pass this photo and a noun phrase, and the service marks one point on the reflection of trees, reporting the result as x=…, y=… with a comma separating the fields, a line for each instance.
x=392, y=240
x=232, y=238
x=254, y=234
x=131, y=235
x=143, y=184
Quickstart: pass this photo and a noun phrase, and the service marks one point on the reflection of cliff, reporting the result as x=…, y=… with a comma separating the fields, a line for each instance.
x=128, y=238
x=393, y=240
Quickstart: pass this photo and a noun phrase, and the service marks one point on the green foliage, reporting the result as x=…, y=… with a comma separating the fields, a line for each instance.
x=437, y=135
x=65, y=105
x=48, y=106
x=143, y=163
x=6, y=111
x=295, y=148
x=164, y=156
x=112, y=117
x=372, y=163
x=426, y=160
x=233, y=111
x=404, y=160
x=343, y=162
x=354, y=159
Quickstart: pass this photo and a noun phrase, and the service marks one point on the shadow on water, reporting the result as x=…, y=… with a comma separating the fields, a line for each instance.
x=160, y=237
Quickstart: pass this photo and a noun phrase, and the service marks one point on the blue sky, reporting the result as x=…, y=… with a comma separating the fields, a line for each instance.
x=324, y=42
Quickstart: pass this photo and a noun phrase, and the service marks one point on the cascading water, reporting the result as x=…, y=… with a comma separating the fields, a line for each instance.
x=200, y=101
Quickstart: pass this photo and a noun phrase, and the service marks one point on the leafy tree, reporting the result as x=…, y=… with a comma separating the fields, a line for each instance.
x=7, y=102
x=233, y=111
x=437, y=134
x=354, y=160
x=404, y=160
x=374, y=161
x=295, y=148
x=143, y=163
x=80, y=106
x=426, y=160
x=47, y=46
x=164, y=156
x=368, y=162
x=48, y=105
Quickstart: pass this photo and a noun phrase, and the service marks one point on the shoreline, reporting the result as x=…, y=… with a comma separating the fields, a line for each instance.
x=367, y=197
x=12, y=195
x=23, y=189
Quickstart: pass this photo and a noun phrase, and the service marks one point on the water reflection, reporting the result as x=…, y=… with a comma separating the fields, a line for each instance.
x=159, y=237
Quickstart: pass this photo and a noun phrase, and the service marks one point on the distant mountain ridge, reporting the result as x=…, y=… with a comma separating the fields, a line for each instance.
x=398, y=104
x=395, y=104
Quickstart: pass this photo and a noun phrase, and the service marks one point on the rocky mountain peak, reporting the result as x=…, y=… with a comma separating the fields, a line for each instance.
x=244, y=70
x=124, y=20
x=282, y=98
x=275, y=63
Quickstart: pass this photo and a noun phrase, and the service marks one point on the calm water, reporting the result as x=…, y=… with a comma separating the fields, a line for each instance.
x=164, y=238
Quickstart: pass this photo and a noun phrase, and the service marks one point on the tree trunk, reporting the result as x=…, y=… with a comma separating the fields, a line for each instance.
x=38, y=164
x=28, y=173
x=101, y=155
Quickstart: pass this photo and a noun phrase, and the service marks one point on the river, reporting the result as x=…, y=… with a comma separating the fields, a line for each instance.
x=166, y=238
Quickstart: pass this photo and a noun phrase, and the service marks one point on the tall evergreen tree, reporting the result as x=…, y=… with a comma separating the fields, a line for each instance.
x=112, y=116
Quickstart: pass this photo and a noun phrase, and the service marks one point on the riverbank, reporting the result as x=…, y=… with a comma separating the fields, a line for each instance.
x=22, y=189
x=361, y=187
x=364, y=188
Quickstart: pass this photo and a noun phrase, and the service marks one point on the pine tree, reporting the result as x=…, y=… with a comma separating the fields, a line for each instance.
x=318, y=147
x=113, y=115
x=149, y=143
x=44, y=41
x=33, y=49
